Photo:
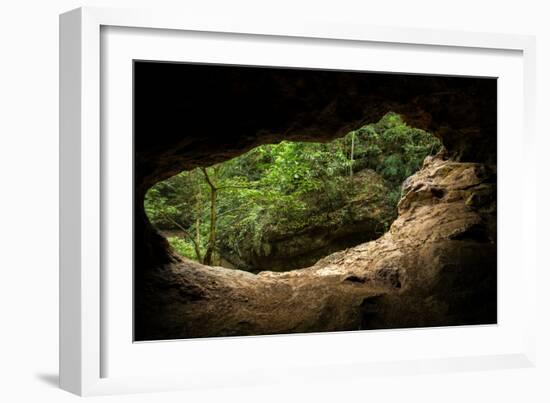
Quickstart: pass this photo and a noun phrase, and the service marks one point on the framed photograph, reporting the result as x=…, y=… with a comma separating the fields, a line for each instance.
x=244, y=202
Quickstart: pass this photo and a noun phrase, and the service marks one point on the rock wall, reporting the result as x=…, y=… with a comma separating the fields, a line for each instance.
x=436, y=266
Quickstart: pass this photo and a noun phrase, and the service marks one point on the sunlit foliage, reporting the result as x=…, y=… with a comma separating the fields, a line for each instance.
x=281, y=187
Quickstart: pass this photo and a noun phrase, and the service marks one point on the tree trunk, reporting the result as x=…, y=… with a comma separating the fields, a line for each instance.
x=351, y=153
x=198, y=231
x=213, y=219
x=198, y=221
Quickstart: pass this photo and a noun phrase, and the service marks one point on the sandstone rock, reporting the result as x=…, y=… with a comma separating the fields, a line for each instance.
x=436, y=266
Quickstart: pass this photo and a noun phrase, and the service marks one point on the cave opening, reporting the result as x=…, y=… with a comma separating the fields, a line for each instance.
x=286, y=205
x=435, y=266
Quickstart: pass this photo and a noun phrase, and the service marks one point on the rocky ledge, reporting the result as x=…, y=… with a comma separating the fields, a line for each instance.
x=436, y=266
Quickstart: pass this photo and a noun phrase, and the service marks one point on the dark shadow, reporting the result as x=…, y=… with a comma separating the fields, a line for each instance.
x=49, y=379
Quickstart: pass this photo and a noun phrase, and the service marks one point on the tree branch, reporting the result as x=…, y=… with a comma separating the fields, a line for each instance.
x=210, y=183
x=241, y=187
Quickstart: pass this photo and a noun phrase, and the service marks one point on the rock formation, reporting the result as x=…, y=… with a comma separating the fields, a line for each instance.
x=435, y=266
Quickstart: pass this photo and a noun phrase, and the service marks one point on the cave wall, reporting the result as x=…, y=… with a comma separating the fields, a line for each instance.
x=188, y=115
x=436, y=266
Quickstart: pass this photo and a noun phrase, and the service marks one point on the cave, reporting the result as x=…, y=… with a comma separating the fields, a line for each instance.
x=435, y=266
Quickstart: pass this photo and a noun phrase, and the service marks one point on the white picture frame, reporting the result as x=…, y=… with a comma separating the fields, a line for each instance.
x=83, y=295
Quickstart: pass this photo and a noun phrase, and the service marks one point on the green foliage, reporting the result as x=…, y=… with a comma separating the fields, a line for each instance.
x=176, y=200
x=182, y=246
x=283, y=188
x=392, y=148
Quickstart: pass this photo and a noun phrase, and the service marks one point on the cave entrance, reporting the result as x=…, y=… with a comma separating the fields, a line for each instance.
x=436, y=266
x=283, y=206
x=190, y=115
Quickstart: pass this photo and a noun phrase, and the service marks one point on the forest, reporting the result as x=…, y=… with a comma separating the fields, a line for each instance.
x=284, y=206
